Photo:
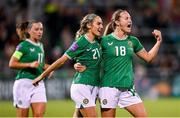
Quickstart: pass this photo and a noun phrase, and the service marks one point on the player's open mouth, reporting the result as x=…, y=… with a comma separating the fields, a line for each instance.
x=99, y=30
x=129, y=25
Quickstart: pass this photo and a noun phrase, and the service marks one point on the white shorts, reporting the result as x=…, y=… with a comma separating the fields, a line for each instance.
x=113, y=97
x=84, y=95
x=25, y=93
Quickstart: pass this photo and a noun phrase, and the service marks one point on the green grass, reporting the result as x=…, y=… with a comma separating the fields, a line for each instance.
x=64, y=108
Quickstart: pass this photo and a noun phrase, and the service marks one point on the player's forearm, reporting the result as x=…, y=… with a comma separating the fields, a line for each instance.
x=53, y=66
x=18, y=65
x=46, y=66
x=153, y=52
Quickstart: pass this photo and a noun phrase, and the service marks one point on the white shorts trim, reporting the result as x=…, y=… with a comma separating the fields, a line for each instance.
x=113, y=97
x=24, y=93
x=84, y=95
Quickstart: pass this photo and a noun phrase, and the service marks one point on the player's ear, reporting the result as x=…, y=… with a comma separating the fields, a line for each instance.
x=89, y=25
x=117, y=22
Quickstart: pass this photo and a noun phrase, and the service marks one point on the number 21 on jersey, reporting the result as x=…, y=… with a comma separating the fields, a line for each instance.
x=96, y=53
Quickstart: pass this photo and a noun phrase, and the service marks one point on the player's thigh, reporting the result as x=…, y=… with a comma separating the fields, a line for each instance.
x=89, y=112
x=137, y=110
x=22, y=112
x=38, y=109
x=108, y=112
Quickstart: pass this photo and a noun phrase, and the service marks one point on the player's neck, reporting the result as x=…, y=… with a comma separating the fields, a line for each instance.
x=120, y=34
x=90, y=37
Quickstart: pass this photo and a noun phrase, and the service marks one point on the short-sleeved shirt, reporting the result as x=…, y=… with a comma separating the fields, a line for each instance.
x=117, y=60
x=28, y=52
x=88, y=54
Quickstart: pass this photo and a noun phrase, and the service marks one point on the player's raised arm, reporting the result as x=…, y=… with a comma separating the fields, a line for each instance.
x=149, y=56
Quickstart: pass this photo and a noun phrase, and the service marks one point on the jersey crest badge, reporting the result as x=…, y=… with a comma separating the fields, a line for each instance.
x=130, y=43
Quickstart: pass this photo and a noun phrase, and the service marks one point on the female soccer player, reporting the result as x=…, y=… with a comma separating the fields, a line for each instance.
x=28, y=59
x=87, y=51
x=118, y=80
x=117, y=84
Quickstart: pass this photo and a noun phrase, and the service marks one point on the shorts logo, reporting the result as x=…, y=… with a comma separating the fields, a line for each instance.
x=85, y=101
x=104, y=101
x=20, y=102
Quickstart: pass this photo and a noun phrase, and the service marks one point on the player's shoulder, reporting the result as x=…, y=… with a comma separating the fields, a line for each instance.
x=23, y=43
x=132, y=37
x=106, y=37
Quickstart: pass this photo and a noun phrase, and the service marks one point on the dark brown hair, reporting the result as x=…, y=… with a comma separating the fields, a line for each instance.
x=23, y=28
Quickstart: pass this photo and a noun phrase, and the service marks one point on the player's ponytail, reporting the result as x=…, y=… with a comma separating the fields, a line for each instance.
x=21, y=29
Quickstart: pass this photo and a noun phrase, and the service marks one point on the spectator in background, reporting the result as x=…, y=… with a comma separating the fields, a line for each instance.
x=28, y=59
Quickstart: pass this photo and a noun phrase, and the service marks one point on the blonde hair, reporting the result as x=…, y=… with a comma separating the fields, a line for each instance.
x=89, y=18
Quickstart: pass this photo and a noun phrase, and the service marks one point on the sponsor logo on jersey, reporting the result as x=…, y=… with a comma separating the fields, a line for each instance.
x=85, y=101
x=74, y=46
x=110, y=43
x=88, y=49
x=32, y=49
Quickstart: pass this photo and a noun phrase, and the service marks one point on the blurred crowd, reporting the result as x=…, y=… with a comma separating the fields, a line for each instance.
x=61, y=20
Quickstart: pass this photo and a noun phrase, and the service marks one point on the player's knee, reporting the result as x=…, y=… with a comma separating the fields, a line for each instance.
x=38, y=114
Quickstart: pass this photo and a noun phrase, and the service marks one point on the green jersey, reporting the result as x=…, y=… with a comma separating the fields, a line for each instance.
x=27, y=52
x=88, y=54
x=117, y=60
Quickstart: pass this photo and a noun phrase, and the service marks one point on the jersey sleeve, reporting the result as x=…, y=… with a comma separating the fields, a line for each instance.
x=20, y=50
x=76, y=48
x=137, y=45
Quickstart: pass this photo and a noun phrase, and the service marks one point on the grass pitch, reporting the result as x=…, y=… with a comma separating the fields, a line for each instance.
x=169, y=107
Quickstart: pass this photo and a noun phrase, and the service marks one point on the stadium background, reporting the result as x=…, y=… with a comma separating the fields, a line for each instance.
x=157, y=83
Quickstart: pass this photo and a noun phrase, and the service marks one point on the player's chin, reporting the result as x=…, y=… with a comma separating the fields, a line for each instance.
x=128, y=30
x=98, y=34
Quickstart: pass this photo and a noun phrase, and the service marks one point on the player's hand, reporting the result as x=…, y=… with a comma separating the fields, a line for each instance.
x=34, y=64
x=157, y=35
x=36, y=81
x=78, y=67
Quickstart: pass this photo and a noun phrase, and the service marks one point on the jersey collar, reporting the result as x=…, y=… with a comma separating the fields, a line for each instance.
x=118, y=37
x=36, y=44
